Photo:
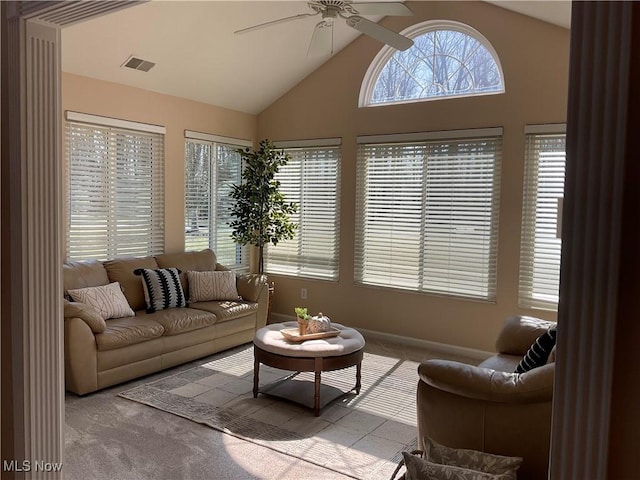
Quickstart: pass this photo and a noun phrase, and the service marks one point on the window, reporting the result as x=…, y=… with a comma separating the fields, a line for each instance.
x=447, y=59
x=212, y=166
x=311, y=179
x=427, y=212
x=115, y=188
x=543, y=188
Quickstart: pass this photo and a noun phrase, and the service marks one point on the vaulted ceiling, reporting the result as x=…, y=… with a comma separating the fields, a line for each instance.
x=198, y=56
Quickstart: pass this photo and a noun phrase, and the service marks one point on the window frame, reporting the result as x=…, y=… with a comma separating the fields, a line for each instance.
x=530, y=200
x=305, y=267
x=114, y=129
x=428, y=140
x=384, y=55
x=214, y=141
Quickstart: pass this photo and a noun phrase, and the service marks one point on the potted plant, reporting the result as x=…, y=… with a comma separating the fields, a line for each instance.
x=262, y=215
x=303, y=319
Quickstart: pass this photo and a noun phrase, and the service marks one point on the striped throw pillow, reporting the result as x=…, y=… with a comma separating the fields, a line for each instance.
x=539, y=352
x=162, y=288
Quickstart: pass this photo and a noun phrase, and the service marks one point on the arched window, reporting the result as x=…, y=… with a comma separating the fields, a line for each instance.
x=448, y=59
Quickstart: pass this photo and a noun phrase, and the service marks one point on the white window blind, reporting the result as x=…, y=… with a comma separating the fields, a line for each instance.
x=311, y=179
x=427, y=216
x=115, y=188
x=211, y=168
x=540, y=246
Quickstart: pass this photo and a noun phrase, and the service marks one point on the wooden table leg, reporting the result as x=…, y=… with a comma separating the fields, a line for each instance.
x=316, y=400
x=358, y=376
x=256, y=372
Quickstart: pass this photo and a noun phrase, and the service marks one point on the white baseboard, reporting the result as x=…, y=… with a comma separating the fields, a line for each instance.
x=445, y=348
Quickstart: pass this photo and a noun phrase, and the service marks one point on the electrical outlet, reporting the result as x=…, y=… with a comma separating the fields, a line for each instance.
x=303, y=293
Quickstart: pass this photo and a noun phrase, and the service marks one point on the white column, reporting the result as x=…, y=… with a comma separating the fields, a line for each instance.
x=591, y=291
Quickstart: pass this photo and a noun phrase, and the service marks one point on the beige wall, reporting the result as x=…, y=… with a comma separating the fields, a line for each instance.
x=86, y=95
x=534, y=57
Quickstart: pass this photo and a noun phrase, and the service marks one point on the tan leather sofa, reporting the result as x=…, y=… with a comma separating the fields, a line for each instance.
x=487, y=407
x=130, y=347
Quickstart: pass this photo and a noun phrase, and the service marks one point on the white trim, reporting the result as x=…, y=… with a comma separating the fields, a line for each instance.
x=427, y=136
x=386, y=52
x=318, y=142
x=209, y=137
x=435, y=347
x=113, y=122
x=547, y=128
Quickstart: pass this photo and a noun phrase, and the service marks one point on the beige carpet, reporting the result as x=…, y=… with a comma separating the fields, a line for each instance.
x=358, y=435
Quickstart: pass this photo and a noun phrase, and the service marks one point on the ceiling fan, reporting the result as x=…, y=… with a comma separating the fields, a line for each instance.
x=322, y=39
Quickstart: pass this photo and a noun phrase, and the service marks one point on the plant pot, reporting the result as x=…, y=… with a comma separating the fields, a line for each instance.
x=302, y=325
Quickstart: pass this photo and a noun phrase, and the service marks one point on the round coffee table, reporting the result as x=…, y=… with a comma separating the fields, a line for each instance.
x=320, y=355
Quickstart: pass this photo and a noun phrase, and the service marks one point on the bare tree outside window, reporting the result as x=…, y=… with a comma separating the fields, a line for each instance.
x=441, y=63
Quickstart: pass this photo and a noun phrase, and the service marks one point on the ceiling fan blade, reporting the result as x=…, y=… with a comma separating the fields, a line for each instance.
x=382, y=8
x=275, y=22
x=322, y=39
x=379, y=32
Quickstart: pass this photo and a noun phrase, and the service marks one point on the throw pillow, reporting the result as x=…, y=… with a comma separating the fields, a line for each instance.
x=108, y=300
x=471, y=459
x=216, y=285
x=538, y=353
x=419, y=469
x=162, y=288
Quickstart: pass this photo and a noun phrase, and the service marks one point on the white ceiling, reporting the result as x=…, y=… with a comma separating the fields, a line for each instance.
x=198, y=56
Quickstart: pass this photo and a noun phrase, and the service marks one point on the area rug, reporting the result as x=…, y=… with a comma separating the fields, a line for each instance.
x=361, y=436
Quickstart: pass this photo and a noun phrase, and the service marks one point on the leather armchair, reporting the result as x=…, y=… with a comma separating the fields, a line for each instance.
x=487, y=407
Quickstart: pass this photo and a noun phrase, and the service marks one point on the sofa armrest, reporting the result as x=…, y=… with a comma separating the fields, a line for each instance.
x=519, y=333
x=489, y=385
x=251, y=285
x=80, y=357
x=86, y=313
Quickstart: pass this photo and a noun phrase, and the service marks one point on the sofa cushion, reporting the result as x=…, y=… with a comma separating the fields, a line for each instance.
x=227, y=310
x=539, y=352
x=121, y=270
x=201, y=261
x=90, y=273
x=502, y=362
x=162, y=288
x=121, y=332
x=208, y=286
x=179, y=320
x=108, y=300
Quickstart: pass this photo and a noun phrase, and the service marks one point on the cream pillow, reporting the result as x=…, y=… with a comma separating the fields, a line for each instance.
x=471, y=459
x=108, y=300
x=419, y=469
x=214, y=285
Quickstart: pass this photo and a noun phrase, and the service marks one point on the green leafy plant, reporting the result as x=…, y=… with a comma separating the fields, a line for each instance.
x=301, y=312
x=262, y=215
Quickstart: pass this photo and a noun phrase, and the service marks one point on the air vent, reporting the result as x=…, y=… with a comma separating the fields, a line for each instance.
x=138, y=64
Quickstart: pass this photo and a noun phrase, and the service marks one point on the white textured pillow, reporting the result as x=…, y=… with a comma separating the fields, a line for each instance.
x=471, y=459
x=108, y=300
x=419, y=469
x=214, y=285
